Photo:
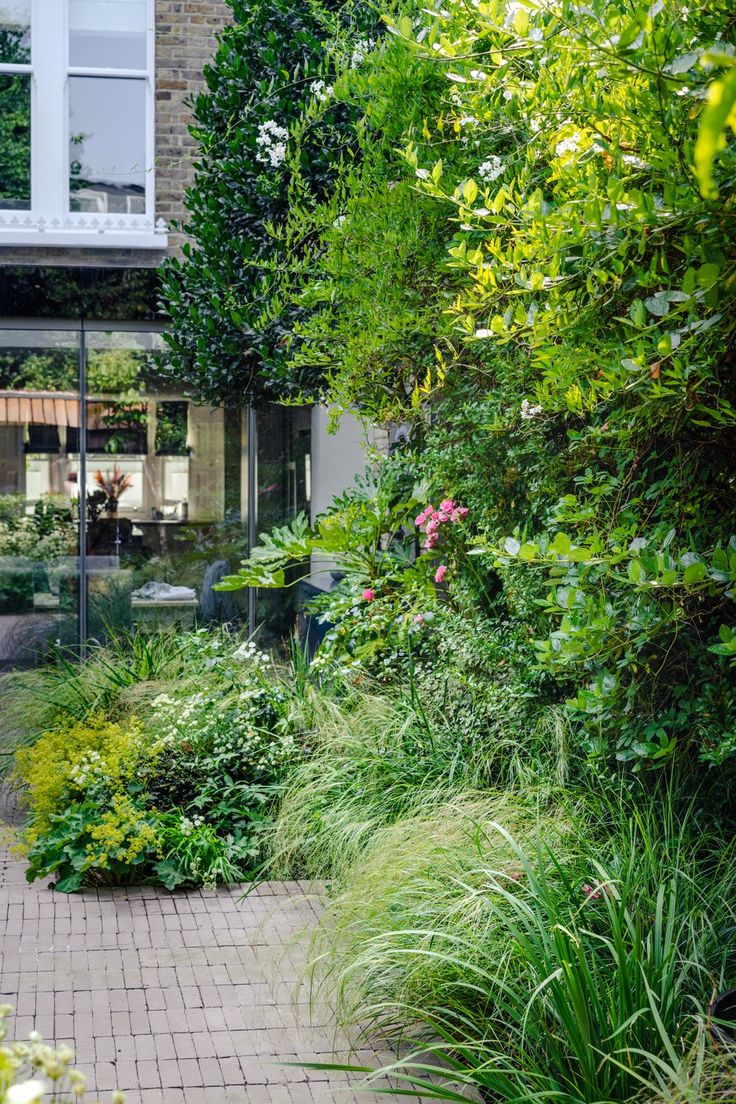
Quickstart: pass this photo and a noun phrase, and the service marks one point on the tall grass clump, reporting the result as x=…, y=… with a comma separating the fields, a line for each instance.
x=373, y=760
x=566, y=957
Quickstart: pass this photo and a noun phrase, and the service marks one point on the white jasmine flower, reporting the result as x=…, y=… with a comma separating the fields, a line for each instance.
x=528, y=411
x=320, y=90
x=568, y=145
x=491, y=169
x=361, y=48
x=272, y=140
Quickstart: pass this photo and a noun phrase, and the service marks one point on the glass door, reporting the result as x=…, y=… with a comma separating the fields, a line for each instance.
x=166, y=488
x=122, y=502
x=40, y=412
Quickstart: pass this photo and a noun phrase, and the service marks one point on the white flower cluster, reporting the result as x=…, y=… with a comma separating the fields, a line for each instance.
x=249, y=653
x=187, y=825
x=173, y=719
x=361, y=48
x=528, y=411
x=320, y=90
x=50, y=1069
x=568, y=145
x=87, y=769
x=271, y=141
x=491, y=169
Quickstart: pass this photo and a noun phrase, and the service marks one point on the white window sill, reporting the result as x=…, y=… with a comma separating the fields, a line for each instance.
x=20, y=230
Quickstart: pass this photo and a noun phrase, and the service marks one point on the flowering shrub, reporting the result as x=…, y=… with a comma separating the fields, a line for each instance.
x=178, y=791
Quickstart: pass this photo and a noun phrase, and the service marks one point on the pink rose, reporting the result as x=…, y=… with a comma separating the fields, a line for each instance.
x=433, y=525
x=420, y=519
x=440, y=573
x=431, y=540
x=447, y=506
x=368, y=594
x=459, y=513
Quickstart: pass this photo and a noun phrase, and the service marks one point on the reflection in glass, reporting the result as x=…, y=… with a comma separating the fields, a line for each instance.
x=39, y=496
x=107, y=145
x=284, y=443
x=166, y=500
x=15, y=31
x=107, y=34
x=15, y=142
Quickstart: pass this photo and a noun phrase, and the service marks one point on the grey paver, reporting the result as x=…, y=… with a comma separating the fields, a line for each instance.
x=185, y=998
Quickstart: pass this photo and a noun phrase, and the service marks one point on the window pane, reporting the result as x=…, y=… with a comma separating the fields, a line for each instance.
x=15, y=31
x=107, y=145
x=107, y=34
x=15, y=142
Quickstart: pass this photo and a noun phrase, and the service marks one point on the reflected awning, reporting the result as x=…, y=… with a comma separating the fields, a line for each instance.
x=52, y=408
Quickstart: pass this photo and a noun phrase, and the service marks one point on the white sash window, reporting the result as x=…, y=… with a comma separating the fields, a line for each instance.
x=76, y=124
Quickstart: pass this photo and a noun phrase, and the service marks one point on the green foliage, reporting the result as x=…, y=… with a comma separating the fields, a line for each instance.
x=373, y=759
x=571, y=959
x=261, y=142
x=538, y=284
x=598, y=284
x=127, y=782
x=719, y=114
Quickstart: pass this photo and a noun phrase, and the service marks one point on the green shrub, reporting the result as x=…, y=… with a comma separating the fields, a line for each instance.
x=170, y=787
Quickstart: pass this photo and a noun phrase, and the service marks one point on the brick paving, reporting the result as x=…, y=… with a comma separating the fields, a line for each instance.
x=173, y=998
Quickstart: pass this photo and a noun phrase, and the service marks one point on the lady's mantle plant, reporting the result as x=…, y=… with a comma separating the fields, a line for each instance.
x=177, y=792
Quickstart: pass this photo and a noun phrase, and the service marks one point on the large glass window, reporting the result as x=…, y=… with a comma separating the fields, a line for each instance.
x=125, y=509
x=76, y=123
x=39, y=494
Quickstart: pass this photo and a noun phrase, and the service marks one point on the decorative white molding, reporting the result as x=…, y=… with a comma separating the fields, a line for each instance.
x=19, y=228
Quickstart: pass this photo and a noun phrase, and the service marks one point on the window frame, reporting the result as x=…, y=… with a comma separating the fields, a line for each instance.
x=50, y=221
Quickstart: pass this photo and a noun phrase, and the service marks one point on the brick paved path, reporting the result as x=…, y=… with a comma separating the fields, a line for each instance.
x=186, y=997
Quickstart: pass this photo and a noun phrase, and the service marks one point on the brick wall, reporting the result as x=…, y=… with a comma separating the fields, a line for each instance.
x=185, y=42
